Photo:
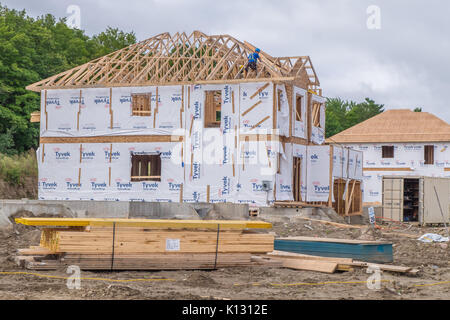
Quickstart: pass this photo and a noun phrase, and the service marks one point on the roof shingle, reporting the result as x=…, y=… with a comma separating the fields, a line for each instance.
x=397, y=125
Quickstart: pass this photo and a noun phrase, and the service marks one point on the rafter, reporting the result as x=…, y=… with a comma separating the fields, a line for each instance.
x=181, y=58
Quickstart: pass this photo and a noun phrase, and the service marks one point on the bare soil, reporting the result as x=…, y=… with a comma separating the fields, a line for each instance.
x=27, y=189
x=432, y=282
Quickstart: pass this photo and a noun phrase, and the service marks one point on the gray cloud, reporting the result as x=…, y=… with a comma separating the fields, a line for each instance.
x=405, y=64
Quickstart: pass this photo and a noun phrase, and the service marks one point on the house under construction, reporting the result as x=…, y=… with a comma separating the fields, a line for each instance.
x=177, y=118
x=398, y=142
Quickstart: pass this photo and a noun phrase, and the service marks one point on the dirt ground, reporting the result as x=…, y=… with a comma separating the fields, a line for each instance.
x=27, y=189
x=432, y=282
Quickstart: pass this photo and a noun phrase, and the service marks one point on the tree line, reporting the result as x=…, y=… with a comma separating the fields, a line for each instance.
x=340, y=114
x=32, y=49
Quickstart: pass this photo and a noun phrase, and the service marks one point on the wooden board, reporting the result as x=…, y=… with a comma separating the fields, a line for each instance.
x=34, y=251
x=386, y=267
x=291, y=255
x=310, y=265
x=113, y=139
x=138, y=240
x=180, y=261
x=154, y=223
x=157, y=261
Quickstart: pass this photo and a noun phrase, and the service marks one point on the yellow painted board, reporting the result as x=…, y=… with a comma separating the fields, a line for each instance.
x=155, y=223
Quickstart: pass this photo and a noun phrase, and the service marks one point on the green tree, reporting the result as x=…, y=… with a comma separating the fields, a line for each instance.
x=417, y=109
x=32, y=49
x=112, y=39
x=341, y=115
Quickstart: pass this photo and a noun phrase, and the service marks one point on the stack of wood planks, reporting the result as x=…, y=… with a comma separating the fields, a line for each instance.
x=369, y=251
x=144, y=244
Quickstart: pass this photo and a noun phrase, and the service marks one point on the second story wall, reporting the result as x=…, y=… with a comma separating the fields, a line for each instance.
x=249, y=108
x=111, y=111
x=405, y=155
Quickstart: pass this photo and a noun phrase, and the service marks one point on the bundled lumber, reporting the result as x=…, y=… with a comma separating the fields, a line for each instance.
x=157, y=261
x=144, y=244
x=143, y=240
x=369, y=251
x=153, y=223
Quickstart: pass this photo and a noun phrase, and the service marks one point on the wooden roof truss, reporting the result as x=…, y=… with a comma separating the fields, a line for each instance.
x=179, y=58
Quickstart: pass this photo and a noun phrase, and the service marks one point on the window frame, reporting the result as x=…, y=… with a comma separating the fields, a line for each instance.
x=298, y=103
x=385, y=154
x=428, y=151
x=146, y=161
x=316, y=114
x=212, y=110
x=141, y=112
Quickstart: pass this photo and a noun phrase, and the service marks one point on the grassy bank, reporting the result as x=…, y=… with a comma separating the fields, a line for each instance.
x=16, y=168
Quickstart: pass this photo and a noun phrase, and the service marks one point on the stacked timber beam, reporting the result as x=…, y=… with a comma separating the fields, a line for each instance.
x=144, y=244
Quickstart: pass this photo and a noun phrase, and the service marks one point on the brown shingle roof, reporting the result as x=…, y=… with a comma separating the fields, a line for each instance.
x=398, y=125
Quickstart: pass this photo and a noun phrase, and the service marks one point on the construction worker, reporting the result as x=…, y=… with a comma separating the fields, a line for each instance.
x=252, y=59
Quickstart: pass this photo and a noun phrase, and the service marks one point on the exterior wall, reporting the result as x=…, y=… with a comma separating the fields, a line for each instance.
x=213, y=165
x=104, y=173
x=315, y=170
x=92, y=117
x=408, y=159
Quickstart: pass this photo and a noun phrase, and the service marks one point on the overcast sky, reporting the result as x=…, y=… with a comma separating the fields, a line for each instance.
x=404, y=64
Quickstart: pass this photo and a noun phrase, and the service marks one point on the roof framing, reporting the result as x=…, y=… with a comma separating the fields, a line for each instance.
x=174, y=59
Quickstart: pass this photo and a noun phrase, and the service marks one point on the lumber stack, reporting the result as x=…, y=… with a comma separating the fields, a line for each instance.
x=364, y=250
x=144, y=244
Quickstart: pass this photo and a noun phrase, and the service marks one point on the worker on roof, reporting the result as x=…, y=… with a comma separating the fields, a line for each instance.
x=252, y=59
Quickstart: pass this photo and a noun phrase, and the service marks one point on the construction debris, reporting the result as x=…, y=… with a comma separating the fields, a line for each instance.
x=329, y=264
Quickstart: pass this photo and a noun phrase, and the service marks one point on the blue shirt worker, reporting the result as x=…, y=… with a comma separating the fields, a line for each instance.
x=252, y=59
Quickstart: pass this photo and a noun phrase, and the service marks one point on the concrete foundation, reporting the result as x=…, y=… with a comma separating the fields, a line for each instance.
x=270, y=214
x=122, y=209
x=159, y=210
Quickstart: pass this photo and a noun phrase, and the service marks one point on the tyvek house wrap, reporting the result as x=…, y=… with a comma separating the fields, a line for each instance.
x=257, y=161
x=211, y=152
x=406, y=155
x=101, y=171
x=59, y=172
x=59, y=112
x=284, y=177
x=67, y=117
x=255, y=110
x=318, y=174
